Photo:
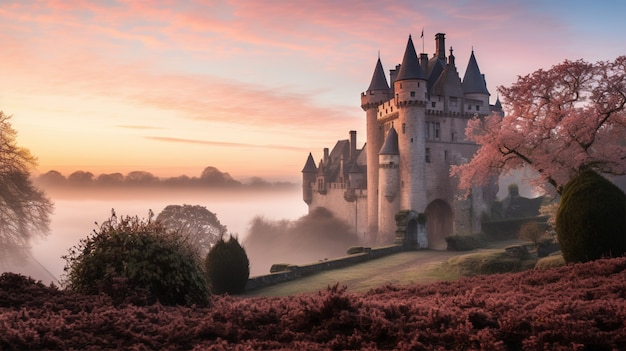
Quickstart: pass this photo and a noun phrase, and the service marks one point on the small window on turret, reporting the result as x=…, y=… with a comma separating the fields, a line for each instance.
x=412, y=94
x=477, y=107
x=403, y=128
x=434, y=104
x=427, y=155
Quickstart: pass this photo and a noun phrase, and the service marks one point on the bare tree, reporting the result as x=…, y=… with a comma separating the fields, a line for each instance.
x=24, y=210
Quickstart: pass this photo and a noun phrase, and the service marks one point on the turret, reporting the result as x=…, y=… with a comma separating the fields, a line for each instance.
x=410, y=84
x=309, y=173
x=475, y=87
x=389, y=185
x=410, y=99
x=376, y=94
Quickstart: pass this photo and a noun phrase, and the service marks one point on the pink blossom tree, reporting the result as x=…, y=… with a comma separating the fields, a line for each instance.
x=557, y=122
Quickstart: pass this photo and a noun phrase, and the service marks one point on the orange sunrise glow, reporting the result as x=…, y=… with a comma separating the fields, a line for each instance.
x=249, y=87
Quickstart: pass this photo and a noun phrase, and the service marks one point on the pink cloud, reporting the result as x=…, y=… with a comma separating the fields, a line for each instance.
x=228, y=144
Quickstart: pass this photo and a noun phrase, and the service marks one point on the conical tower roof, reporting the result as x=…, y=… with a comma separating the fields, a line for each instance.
x=473, y=80
x=390, y=147
x=379, y=81
x=410, y=68
x=309, y=166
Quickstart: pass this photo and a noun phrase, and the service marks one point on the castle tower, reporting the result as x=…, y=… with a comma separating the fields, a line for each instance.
x=410, y=99
x=474, y=84
x=389, y=186
x=309, y=173
x=376, y=94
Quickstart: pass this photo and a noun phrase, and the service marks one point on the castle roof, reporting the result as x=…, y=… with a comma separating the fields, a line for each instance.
x=449, y=82
x=498, y=104
x=473, y=80
x=390, y=147
x=410, y=68
x=379, y=81
x=309, y=166
x=436, y=67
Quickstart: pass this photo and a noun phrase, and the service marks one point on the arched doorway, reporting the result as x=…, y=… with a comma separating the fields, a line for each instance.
x=439, y=224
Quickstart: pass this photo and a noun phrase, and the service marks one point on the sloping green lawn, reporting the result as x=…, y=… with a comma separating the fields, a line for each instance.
x=413, y=267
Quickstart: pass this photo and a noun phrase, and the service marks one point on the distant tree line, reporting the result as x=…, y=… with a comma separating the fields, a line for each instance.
x=210, y=176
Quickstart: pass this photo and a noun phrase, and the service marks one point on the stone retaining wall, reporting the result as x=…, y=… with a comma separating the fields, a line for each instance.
x=297, y=271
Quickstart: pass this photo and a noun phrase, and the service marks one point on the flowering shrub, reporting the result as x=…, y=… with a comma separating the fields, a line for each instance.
x=575, y=307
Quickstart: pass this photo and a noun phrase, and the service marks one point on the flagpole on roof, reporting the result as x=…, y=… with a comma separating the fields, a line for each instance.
x=422, y=36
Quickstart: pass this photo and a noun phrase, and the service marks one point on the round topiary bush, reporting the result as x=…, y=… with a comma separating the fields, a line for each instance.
x=129, y=257
x=590, y=221
x=227, y=267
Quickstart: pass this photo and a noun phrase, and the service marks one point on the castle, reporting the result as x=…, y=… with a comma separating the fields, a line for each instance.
x=415, y=132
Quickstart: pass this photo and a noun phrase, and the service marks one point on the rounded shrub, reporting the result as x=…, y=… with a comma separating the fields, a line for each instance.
x=227, y=267
x=590, y=221
x=134, y=260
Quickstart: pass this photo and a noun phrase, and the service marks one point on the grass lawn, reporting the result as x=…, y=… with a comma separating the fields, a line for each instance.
x=405, y=268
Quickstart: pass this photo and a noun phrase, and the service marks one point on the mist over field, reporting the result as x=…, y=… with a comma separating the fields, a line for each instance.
x=77, y=210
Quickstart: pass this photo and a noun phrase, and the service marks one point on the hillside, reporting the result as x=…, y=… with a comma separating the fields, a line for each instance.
x=577, y=307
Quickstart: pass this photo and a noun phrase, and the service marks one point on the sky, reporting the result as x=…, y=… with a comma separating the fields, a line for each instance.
x=250, y=87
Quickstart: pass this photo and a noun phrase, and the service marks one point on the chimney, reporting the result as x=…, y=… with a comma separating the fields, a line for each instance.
x=424, y=62
x=440, y=42
x=352, y=145
x=325, y=155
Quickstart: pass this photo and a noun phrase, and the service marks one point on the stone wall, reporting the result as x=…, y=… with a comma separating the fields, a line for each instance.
x=297, y=271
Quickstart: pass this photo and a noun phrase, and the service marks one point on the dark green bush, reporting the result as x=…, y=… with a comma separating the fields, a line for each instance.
x=590, y=222
x=465, y=242
x=127, y=257
x=227, y=267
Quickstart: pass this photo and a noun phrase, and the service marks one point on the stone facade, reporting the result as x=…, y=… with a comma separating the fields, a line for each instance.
x=415, y=132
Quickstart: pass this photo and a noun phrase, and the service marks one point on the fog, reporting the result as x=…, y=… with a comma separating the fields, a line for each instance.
x=77, y=211
x=314, y=237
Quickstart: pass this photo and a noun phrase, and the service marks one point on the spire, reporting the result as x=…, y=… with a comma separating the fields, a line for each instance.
x=473, y=80
x=498, y=104
x=379, y=81
x=390, y=147
x=410, y=68
x=309, y=166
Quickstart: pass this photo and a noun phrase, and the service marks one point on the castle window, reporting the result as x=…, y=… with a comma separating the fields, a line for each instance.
x=412, y=94
x=432, y=130
x=434, y=104
x=477, y=107
x=403, y=128
x=427, y=155
x=445, y=155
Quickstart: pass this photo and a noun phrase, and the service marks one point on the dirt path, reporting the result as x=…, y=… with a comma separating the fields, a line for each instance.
x=398, y=269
